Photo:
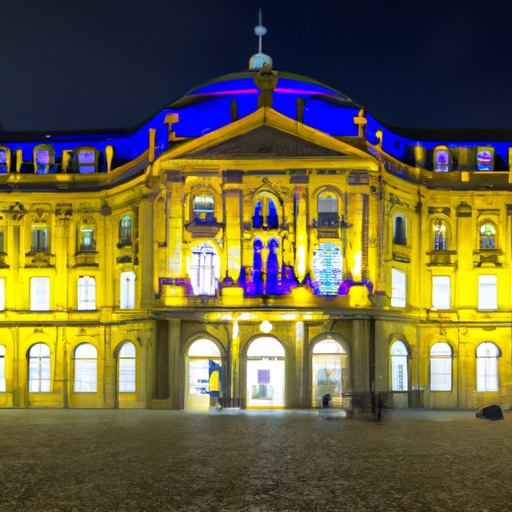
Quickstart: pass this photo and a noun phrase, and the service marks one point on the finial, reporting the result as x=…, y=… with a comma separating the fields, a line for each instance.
x=257, y=60
x=260, y=31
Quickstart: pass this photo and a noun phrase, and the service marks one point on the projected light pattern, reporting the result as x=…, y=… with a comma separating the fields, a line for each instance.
x=327, y=269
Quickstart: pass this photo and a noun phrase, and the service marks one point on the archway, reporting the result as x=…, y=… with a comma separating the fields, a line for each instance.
x=330, y=372
x=203, y=375
x=265, y=373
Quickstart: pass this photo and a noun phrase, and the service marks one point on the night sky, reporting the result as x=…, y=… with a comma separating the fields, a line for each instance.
x=112, y=63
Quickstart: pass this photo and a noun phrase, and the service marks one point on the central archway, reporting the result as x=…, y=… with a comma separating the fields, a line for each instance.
x=203, y=374
x=265, y=373
x=330, y=372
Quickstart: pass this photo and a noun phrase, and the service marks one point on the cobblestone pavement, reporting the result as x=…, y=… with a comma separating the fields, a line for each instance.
x=111, y=460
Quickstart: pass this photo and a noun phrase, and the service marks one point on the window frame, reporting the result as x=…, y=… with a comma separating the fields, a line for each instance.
x=436, y=361
x=89, y=372
x=398, y=301
x=84, y=286
x=400, y=240
x=483, y=303
x=395, y=360
x=41, y=370
x=125, y=232
x=35, y=302
x=127, y=292
x=439, y=305
x=483, y=365
x=132, y=362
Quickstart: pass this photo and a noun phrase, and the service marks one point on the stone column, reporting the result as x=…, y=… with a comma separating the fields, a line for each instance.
x=146, y=248
x=176, y=365
x=60, y=286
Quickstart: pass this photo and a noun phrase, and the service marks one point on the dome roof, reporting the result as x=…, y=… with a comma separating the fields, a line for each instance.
x=243, y=84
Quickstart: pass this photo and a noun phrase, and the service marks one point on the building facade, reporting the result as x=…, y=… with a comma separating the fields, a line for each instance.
x=260, y=242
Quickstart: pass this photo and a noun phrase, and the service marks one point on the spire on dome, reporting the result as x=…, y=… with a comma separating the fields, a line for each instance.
x=259, y=59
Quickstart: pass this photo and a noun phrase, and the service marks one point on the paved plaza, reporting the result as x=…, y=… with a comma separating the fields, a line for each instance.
x=130, y=460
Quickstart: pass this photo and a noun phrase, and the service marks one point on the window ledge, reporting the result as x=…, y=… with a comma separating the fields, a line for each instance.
x=441, y=253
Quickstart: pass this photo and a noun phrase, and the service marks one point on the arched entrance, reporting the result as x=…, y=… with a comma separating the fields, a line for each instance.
x=203, y=374
x=330, y=372
x=265, y=373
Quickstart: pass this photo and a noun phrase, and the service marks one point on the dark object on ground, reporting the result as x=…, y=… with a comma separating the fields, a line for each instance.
x=491, y=412
x=326, y=399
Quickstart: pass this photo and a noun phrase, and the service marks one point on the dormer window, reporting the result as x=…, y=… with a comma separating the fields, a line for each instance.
x=442, y=160
x=487, y=236
x=5, y=160
x=125, y=231
x=204, y=208
x=87, y=161
x=328, y=210
x=44, y=159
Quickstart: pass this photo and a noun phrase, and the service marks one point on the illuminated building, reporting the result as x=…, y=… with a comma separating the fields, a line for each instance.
x=262, y=241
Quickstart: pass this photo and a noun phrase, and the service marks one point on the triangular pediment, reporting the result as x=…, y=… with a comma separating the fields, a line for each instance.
x=264, y=134
x=265, y=142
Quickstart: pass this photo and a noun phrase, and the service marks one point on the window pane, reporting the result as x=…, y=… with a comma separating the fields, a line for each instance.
x=263, y=346
x=127, y=350
x=204, y=270
x=441, y=292
x=85, y=375
x=127, y=300
x=441, y=373
x=126, y=375
x=487, y=374
x=86, y=293
x=2, y=370
x=40, y=294
x=39, y=373
x=487, y=292
x=328, y=347
x=2, y=294
x=398, y=288
x=399, y=377
x=204, y=348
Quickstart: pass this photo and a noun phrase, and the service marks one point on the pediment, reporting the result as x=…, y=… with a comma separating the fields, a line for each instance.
x=265, y=142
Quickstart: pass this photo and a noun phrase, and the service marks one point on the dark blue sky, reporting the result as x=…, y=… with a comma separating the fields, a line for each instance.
x=112, y=63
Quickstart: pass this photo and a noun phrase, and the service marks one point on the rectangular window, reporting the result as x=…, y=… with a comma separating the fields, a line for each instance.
x=85, y=376
x=127, y=290
x=487, y=292
x=40, y=294
x=86, y=293
x=441, y=292
x=398, y=288
x=2, y=294
x=39, y=238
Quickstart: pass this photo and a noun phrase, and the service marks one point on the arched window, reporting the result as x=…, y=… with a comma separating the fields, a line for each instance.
x=487, y=354
x=39, y=237
x=399, y=374
x=86, y=372
x=441, y=367
x=204, y=208
x=204, y=269
x=400, y=230
x=330, y=375
x=442, y=160
x=265, y=373
x=125, y=231
x=2, y=369
x=127, y=290
x=39, y=369
x=487, y=236
x=204, y=374
x=439, y=235
x=328, y=209
x=127, y=364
